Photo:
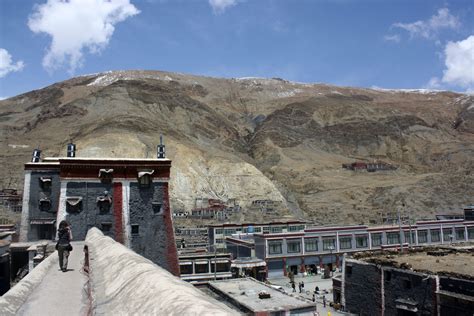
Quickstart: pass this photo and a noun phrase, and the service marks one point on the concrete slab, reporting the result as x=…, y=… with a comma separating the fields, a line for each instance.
x=60, y=293
x=245, y=292
x=310, y=283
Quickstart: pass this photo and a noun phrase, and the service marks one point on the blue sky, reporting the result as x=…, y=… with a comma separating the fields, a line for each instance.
x=364, y=43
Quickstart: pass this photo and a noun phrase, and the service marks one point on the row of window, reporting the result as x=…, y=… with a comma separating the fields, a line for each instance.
x=258, y=229
x=203, y=268
x=361, y=241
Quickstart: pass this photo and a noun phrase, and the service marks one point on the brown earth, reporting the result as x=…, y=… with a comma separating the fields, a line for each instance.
x=256, y=138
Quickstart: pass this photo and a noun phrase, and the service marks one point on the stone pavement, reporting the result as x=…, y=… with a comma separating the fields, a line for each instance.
x=60, y=293
x=310, y=283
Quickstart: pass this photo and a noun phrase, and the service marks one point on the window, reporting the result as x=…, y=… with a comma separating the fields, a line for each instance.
x=135, y=230
x=422, y=236
x=393, y=238
x=435, y=235
x=448, y=234
x=186, y=268
x=219, y=241
x=345, y=242
x=257, y=229
x=406, y=284
x=293, y=246
x=221, y=266
x=45, y=183
x=219, y=231
x=144, y=178
x=103, y=203
x=361, y=241
x=201, y=266
x=376, y=239
x=74, y=204
x=295, y=228
x=45, y=204
x=274, y=247
x=106, y=227
x=311, y=244
x=105, y=175
x=276, y=229
x=157, y=208
x=266, y=229
x=229, y=231
x=460, y=234
x=470, y=232
x=387, y=275
x=329, y=243
x=406, y=235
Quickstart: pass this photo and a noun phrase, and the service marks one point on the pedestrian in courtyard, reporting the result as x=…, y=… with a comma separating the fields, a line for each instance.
x=324, y=300
x=293, y=286
x=64, y=244
x=316, y=289
x=302, y=286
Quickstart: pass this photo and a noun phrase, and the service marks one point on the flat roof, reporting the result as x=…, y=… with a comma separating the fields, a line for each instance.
x=432, y=260
x=245, y=292
x=280, y=222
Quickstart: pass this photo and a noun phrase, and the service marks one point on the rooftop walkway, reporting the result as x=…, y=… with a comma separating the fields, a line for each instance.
x=60, y=293
x=117, y=281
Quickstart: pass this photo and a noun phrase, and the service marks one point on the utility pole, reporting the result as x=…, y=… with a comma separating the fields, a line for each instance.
x=215, y=262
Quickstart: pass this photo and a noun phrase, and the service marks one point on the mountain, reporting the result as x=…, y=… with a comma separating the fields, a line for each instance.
x=255, y=138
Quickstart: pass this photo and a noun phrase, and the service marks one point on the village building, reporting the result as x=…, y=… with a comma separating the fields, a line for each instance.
x=426, y=281
x=217, y=233
x=321, y=249
x=127, y=199
x=200, y=267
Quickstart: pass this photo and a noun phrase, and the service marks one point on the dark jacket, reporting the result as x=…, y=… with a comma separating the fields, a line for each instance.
x=64, y=236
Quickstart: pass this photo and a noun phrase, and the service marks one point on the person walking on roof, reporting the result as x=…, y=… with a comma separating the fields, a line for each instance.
x=64, y=244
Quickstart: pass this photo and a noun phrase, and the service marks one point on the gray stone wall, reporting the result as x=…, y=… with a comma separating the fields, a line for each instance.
x=89, y=214
x=407, y=285
x=362, y=289
x=37, y=192
x=151, y=240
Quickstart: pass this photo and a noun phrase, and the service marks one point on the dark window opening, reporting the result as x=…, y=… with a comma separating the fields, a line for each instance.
x=201, y=267
x=45, y=183
x=106, y=175
x=157, y=208
x=106, y=227
x=388, y=276
x=221, y=267
x=45, y=205
x=135, y=229
x=186, y=268
x=74, y=204
x=145, y=178
x=103, y=203
x=406, y=284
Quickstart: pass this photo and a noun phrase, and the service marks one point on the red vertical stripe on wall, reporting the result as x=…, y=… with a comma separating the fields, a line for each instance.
x=171, y=251
x=118, y=207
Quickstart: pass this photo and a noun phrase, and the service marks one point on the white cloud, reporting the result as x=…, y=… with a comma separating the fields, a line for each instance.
x=433, y=83
x=392, y=38
x=429, y=28
x=460, y=63
x=76, y=25
x=7, y=65
x=219, y=6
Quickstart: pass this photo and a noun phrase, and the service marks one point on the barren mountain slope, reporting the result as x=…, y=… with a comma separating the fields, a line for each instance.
x=253, y=138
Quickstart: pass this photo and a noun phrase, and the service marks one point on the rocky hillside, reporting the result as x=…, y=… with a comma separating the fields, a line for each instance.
x=252, y=138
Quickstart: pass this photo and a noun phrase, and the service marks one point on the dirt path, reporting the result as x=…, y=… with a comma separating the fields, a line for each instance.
x=60, y=293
